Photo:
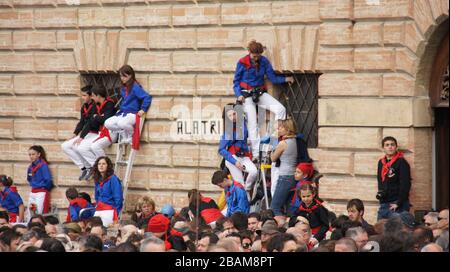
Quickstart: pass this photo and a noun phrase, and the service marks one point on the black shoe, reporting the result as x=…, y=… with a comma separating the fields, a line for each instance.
x=255, y=160
x=89, y=174
x=83, y=173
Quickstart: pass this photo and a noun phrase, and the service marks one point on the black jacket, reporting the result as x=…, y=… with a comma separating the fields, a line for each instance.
x=397, y=184
x=87, y=111
x=317, y=216
x=95, y=122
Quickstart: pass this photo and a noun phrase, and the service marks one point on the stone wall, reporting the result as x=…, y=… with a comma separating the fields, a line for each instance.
x=368, y=52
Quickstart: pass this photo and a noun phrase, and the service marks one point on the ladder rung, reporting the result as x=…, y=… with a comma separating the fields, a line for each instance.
x=122, y=162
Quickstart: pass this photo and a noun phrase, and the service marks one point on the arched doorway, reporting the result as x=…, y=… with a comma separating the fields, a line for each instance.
x=439, y=87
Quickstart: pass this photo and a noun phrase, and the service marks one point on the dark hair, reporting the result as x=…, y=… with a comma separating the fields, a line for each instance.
x=91, y=242
x=391, y=243
x=4, y=215
x=99, y=90
x=267, y=215
x=339, y=221
x=255, y=47
x=177, y=243
x=31, y=249
x=40, y=216
x=193, y=195
x=18, y=226
x=277, y=241
x=109, y=170
x=254, y=215
x=357, y=203
x=8, y=236
x=39, y=149
x=213, y=238
x=86, y=196
x=87, y=89
x=246, y=234
x=71, y=193
x=422, y=235
x=128, y=70
x=239, y=220
x=6, y=181
x=52, y=245
x=52, y=220
x=218, y=177
x=95, y=221
x=388, y=138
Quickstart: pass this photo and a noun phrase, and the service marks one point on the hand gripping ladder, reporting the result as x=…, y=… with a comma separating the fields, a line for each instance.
x=122, y=161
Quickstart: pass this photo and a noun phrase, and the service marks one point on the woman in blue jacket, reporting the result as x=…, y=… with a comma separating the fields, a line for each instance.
x=233, y=146
x=135, y=103
x=108, y=191
x=40, y=180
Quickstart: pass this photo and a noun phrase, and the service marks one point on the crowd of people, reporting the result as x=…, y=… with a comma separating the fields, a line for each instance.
x=297, y=219
x=168, y=230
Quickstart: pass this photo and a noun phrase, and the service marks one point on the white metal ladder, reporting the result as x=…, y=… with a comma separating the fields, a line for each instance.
x=121, y=161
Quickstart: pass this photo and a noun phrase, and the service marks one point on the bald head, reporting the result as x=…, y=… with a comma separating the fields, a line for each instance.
x=432, y=247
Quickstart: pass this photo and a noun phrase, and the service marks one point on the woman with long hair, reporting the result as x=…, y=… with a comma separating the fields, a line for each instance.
x=286, y=152
x=233, y=146
x=108, y=191
x=40, y=180
x=135, y=103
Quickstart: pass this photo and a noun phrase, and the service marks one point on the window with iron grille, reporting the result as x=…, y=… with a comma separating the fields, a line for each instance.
x=110, y=81
x=301, y=102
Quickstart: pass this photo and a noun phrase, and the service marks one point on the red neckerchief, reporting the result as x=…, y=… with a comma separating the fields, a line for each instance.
x=235, y=183
x=80, y=202
x=99, y=108
x=34, y=169
x=387, y=165
x=205, y=199
x=312, y=209
x=247, y=62
x=88, y=109
x=104, y=181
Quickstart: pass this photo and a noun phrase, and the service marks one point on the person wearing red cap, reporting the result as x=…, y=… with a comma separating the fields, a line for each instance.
x=159, y=225
x=303, y=175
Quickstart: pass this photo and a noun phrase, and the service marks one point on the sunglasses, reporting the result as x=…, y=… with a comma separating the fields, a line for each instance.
x=246, y=245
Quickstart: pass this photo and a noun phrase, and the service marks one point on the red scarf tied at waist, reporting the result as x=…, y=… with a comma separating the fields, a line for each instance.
x=387, y=165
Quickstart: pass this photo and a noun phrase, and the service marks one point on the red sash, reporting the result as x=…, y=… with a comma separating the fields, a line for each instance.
x=46, y=198
x=315, y=230
x=105, y=207
x=12, y=217
x=136, y=133
x=387, y=165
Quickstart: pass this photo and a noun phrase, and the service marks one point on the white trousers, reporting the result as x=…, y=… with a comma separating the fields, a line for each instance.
x=38, y=200
x=266, y=102
x=107, y=217
x=118, y=123
x=77, y=152
x=274, y=174
x=91, y=152
x=238, y=175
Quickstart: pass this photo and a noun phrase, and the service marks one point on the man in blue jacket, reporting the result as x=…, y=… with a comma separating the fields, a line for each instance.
x=235, y=194
x=249, y=88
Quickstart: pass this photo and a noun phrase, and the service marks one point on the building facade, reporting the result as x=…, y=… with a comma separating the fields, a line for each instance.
x=382, y=68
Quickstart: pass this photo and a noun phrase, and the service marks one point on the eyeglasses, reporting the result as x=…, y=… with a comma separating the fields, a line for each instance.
x=442, y=218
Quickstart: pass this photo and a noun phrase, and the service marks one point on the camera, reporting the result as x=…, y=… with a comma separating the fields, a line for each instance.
x=240, y=154
x=256, y=93
x=380, y=195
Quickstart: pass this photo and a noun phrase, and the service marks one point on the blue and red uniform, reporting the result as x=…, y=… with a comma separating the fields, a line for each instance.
x=11, y=200
x=229, y=147
x=75, y=206
x=109, y=195
x=236, y=198
x=248, y=75
x=40, y=180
